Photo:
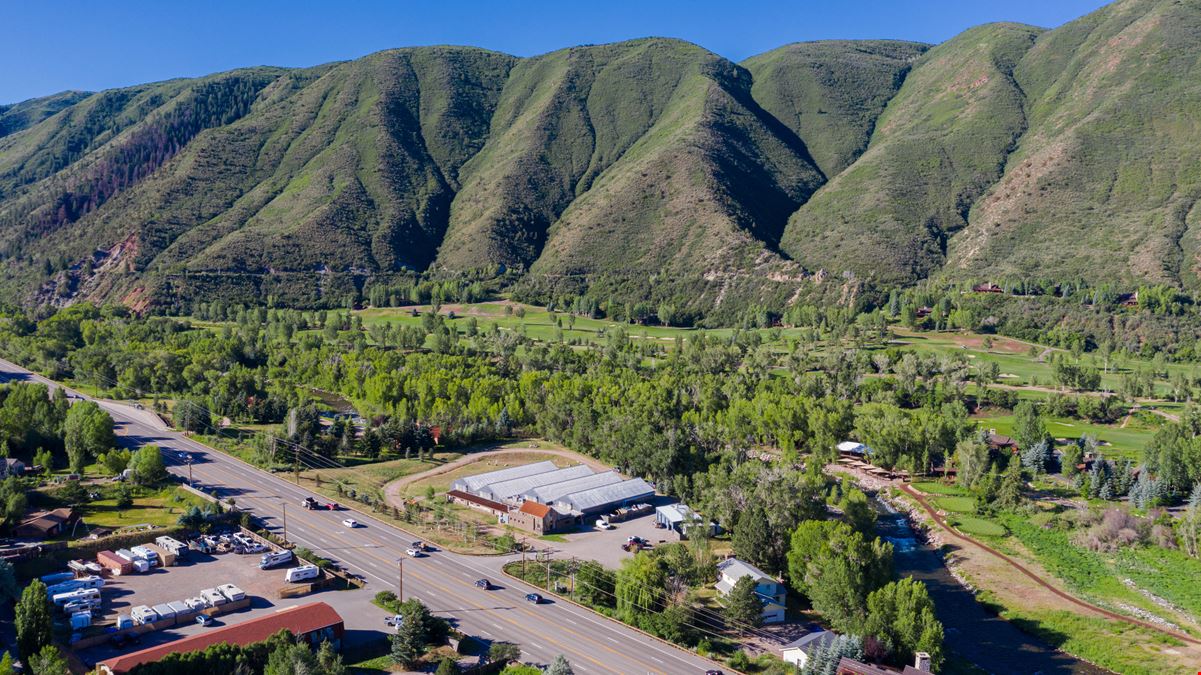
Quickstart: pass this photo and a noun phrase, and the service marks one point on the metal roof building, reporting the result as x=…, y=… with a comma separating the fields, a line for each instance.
x=510, y=489
x=606, y=497
x=473, y=484
x=547, y=494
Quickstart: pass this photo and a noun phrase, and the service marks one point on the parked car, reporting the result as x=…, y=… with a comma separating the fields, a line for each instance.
x=350, y=522
x=204, y=619
x=603, y=524
x=483, y=583
x=395, y=620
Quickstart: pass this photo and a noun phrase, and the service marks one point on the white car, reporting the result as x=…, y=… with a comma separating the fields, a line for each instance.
x=350, y=522
x=413, y=553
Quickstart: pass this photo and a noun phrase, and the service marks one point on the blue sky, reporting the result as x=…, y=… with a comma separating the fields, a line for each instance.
x=46, y=47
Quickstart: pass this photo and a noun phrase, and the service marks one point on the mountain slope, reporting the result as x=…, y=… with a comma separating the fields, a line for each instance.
x=648, y=172
x=942, y=140
x=830, y=93
x=19, y=116
x=1105, y=184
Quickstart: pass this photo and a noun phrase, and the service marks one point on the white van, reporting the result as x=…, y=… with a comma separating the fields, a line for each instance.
x=213, y=597
x=302, y=573
x=232, y=592
x=275, y=559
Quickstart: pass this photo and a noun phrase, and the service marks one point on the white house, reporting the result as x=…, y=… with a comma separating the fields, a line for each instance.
x=771, y=592
x=798, y=651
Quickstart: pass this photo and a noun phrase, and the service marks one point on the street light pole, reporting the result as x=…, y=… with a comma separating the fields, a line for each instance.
x=400, y=580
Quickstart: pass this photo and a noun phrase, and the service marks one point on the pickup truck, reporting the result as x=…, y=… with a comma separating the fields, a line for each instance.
x=309, y=503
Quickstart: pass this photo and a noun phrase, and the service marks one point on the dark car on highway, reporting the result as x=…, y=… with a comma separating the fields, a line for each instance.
x=533, y=598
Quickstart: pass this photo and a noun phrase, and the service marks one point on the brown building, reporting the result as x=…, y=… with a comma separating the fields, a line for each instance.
x=315, y=622
x=1002, y=443
x=534, y=517
x=45, y=524
x=477, y=502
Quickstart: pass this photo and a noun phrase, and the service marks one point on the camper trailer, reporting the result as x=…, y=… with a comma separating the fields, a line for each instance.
x=146, y=553
x=302, y=573
x=213, y=597
x=232, y=592
x=143, y=615
x=80, y=594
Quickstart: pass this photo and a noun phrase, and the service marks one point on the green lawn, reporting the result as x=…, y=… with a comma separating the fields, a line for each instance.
x=979, y=526
x=956, y=504
x=1117, y=442
x=162, y=508
x=939, y=488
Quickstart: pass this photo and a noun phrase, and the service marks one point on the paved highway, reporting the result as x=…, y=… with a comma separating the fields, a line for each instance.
x=444, y=581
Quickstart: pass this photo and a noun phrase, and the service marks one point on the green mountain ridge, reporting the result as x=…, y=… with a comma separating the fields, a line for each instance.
x=1006, y=152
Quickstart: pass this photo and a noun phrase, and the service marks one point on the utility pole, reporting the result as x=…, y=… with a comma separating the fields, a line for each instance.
x=548, y=569
x=189, y=471
x=522, y=561
x=400, y=580
x=572, y=575
x=296, y=463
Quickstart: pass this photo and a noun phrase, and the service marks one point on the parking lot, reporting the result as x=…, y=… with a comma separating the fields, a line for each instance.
x=186, y=579
x=199, y=571
x=604, y=546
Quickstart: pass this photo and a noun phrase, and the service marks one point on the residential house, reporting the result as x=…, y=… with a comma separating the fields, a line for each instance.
x=11, y=467
x=1002, y=443
x=849, y=666
x=798, y=651
x=45, y=524
x=772, y=593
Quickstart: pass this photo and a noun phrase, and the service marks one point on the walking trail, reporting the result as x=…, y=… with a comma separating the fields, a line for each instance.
x=934, y=514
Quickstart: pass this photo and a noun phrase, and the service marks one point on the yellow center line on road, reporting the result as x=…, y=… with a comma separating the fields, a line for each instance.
x=331, y=531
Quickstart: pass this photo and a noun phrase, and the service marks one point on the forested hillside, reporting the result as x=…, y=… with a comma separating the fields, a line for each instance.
x=649, y=171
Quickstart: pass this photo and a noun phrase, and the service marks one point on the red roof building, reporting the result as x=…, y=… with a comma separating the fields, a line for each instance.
x=315, y=622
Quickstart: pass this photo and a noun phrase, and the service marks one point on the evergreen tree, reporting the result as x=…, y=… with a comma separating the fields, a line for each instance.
x=560, y=666
x=447, y=666
x=743, y=606
x=408, y=644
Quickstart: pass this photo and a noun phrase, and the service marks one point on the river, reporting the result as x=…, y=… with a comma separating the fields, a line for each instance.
x=974, y=633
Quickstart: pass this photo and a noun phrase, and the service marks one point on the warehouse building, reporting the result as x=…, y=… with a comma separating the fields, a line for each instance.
x=473, y=484
x=541, y=497
x=605, y=498
x=548, y=494
x=510, y=490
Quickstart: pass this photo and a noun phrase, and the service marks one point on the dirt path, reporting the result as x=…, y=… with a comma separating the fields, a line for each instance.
x=392, y=491
x=922, y=501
